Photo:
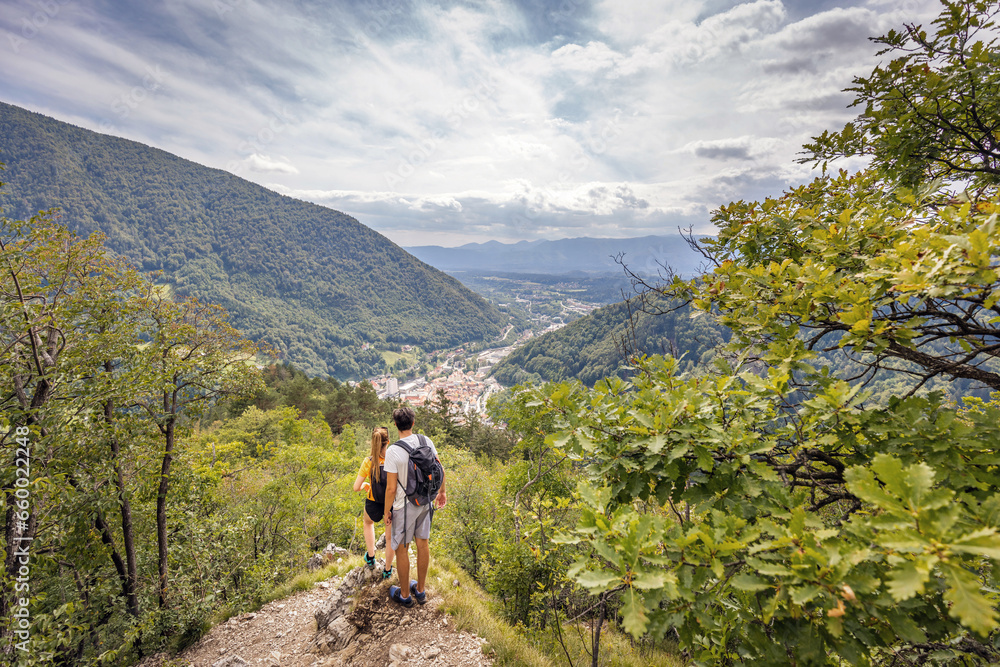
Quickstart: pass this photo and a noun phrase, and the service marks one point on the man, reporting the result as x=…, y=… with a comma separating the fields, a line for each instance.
x=407, y=521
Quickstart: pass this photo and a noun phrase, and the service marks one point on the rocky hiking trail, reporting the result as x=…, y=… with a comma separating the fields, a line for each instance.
x=346, y=620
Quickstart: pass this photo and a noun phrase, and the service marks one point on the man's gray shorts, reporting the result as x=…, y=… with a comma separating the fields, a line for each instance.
x=410, y=522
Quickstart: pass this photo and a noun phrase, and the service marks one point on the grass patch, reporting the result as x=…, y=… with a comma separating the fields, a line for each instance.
x=300, y=582
x=475, y=611
x=617, y=649
x=306, y=580
x=392, y=357
x=471, y=609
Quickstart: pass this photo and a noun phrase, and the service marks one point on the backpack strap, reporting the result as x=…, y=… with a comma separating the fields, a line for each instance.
x=409, y=450
x=405, y=445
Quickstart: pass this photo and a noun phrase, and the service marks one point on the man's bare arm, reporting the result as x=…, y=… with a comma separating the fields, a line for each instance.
x=441, y=500
x=390, y=495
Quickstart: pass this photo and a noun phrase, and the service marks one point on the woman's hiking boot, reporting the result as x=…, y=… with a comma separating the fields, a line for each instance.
x=386, y=573
x=369, y=560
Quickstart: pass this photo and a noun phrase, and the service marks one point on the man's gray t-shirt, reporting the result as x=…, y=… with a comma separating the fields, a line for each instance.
x=396, y=460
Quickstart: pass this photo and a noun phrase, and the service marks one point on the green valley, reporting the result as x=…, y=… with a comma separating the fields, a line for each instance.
x=315, y=283
x=790, y=458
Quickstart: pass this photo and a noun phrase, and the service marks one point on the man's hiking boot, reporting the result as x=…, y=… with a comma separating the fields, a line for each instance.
x=394, y=595
x=386, y=573
x=369, y=560
x=419, y=597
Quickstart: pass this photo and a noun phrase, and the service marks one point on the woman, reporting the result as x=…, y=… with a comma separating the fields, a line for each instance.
x=371, y=479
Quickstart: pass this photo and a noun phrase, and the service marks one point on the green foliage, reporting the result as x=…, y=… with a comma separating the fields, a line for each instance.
x=765, y=512
x=855, y=271
x=314, y=282
x=500, y=521
x=934, y=109
x=338, y=403
x=442, y=417
x=829, y=531
x=283, y=478
x=107, y=374
x=475, y=518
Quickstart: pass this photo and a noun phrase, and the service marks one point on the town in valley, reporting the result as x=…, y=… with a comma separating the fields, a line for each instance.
x=535, y=305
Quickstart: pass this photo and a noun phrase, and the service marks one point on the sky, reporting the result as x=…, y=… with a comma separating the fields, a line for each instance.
x=442, y=123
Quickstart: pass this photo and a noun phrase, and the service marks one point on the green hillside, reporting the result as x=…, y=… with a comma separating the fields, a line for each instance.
x=586, y=349
x=313, y=282
x=589, y=350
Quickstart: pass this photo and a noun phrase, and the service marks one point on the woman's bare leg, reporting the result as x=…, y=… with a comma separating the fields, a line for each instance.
x=369, y=535
x=390, y=555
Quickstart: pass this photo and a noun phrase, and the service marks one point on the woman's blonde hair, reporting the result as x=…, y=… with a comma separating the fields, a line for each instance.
x=380, y=439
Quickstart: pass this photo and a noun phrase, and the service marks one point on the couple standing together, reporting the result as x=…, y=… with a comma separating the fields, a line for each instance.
x=385, y=475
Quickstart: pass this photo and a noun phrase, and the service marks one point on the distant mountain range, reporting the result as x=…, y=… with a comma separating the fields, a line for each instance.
x=579, y=255
x=314, y=282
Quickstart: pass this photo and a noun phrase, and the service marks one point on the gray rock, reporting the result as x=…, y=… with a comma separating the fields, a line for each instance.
x=340, y=599
x=334, y=633
x=348, y=652
x=399, y=652
x=230, y=661
x=432, y=652
x=334, y=549
x=331, y=608
x=331, y=553
x=340, y=634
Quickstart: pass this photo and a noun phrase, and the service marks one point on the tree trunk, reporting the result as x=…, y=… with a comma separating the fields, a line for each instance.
x=130, y=581
x=161, y=508
x=131, y=595
x=109, y=541
x=597, y=631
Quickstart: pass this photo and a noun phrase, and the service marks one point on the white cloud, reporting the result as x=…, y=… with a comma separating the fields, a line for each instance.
x=593, y=57
x=264, y=164
x=468, y=120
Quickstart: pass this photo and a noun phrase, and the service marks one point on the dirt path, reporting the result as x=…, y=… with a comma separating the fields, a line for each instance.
x=283, y=633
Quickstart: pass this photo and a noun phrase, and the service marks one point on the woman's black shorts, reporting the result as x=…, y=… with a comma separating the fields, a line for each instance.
x=375, y=510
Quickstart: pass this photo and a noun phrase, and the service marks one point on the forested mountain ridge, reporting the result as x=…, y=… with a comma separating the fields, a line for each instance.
x=589, y=349
x=314, y=282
